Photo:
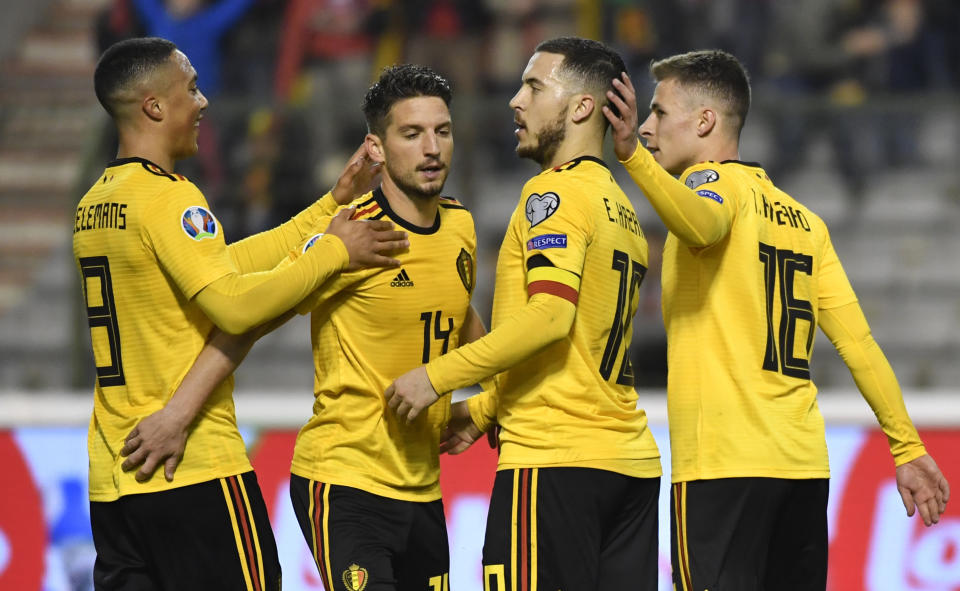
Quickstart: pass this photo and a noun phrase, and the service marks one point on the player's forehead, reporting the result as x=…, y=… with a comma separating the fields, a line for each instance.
x=670, y=92
x=181, y=68
x=420, y=112
x=544, y=68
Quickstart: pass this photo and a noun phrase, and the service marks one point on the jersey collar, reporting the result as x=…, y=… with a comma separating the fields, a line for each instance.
x=385, y=206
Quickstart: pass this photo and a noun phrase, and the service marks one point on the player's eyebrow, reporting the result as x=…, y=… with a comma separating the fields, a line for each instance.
x=532, y=80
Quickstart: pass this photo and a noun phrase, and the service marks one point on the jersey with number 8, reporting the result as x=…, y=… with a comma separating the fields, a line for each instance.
x=742, y=402
x=575, y=234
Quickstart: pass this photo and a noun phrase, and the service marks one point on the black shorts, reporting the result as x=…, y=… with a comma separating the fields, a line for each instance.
x=749, y=534
x=214, y=535
x=572, y=529
x=360, y=540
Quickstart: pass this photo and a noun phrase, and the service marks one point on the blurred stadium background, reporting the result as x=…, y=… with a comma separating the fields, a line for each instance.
x=856, y=113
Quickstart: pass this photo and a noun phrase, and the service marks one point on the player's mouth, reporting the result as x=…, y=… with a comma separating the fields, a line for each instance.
x=432, y=171
x=520, y=126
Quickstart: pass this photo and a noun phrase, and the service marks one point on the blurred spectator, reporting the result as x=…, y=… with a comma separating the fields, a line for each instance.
x=324, y=66
x=117, y=21
x=450, y=36
x=807, y=58
x=197, y=28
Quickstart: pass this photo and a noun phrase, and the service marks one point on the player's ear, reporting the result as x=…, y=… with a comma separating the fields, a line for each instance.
x=706, y=122
x=152, y=108
x=582, y=108
x=374, y=147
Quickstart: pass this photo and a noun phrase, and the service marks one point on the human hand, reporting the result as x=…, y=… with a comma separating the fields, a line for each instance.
x=922, y=486
x=461, y=432
x=158, y=438
x=360, y=176
x=411, y=393
x=623, y=127
x=367, y=241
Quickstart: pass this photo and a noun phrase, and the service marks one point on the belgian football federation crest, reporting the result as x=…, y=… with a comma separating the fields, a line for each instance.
x=198, y=223
x=540, y=207
x=466, y=270
x=355, y=578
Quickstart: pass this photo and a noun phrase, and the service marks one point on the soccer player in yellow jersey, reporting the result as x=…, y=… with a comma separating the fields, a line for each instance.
x=748, y=275
x=365, y=485
x=157, y=278
x=574, y=502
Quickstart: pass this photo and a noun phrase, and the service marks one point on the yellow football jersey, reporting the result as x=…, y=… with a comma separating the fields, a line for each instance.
x=368, y=328
x=575, y=234
x=146, y=242
x=741, y=316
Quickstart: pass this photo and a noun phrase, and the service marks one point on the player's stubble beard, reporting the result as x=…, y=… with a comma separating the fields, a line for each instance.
x=548, y=141
x=410, y=188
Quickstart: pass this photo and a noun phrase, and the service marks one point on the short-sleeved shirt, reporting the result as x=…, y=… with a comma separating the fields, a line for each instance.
x=146, y=242
x=370, y=327
x=575, y=234
x=741, y=316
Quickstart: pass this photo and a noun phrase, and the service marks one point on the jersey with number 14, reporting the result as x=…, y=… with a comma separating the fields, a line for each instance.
x=368, y=328
x=575, y=234
x=741, y=316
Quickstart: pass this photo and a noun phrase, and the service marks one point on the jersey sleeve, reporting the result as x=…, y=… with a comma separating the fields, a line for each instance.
x=699, y=209
x=333, y=285
x=847, y=329
x=186, y=237
x=264, y=250
x=835, y=289
x=555, y=232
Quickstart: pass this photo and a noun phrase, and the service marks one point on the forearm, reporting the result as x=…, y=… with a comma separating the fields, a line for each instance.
x=847, y=328
x=217, y=360
x=262, y=251
x=483, y=409
x=544, y=320
x=472, y=328
x=691, y=218
x=237, y=303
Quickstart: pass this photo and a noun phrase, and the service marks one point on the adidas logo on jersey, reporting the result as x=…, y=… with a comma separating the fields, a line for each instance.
x=402, y=280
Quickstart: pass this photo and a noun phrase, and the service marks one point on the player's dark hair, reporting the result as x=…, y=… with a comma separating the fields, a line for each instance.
x=712, y=71
x=400, y=82
x=589, y=62
x=126, y=62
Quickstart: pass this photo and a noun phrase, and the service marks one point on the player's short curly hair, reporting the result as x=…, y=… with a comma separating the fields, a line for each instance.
x=125, y=63
x=589, y=64
x=397, y=83
x=713, y=72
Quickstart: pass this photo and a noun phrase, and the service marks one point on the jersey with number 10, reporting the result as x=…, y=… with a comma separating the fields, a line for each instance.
x=575, y=234
x=146, y=242
x=741, y=316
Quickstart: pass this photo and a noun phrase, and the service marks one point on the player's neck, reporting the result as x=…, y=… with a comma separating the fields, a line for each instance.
x=576, y=147
x=136, y=146
x=719, y=152
x=419, y=211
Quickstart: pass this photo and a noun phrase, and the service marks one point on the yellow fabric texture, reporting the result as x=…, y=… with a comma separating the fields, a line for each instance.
x=571, y=403
x=139, y=269
x=368, y=328
x=740, y=399
x=847, y=329
x=545, y=319
x=261, y=251
x=237, y=303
